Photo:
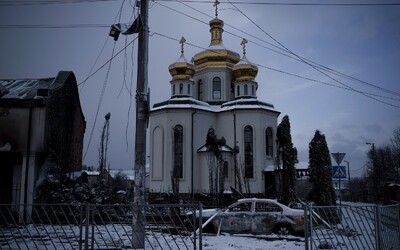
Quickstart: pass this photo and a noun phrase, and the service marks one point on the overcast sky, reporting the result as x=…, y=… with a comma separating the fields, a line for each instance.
x=362, y=42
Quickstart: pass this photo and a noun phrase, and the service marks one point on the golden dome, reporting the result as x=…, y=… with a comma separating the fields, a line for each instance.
x=216, y=55
x=182, y=69
x=244, y=70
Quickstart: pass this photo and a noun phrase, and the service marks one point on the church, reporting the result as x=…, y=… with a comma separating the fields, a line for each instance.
x=212, y=133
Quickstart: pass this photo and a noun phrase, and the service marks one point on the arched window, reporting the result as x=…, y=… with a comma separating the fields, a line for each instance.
x=200, y=89
x=188, y=89
x=173, y=89
x=238, y=90
x=252, y=90
x=248, y=152
x=245, y=90
x=178, y=152
x=216, y=87
x=181, y=88
x=269, y=147
x=226, y=170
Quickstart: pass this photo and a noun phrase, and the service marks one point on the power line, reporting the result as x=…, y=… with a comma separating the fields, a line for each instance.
x=48, y=2
x=311, y=65
x=52, y=2
x=288, y=3
x=288, y=73
x=46, y=26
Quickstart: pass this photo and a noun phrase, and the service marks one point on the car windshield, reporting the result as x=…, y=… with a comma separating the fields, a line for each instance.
x=267, y=207
x=241, y=207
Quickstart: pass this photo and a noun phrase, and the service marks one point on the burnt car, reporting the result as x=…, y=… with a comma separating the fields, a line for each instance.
x=256, y=216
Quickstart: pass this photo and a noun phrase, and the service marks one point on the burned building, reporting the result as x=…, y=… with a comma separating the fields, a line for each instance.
x=39, y=118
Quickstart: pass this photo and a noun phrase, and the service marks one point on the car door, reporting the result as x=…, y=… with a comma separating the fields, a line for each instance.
x=266, y=215
x=237, y=218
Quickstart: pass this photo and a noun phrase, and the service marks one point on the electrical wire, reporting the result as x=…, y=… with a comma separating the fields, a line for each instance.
x=311, y=65
x=285, y=72
x=346, y=4
x=100, y=101
x=288, y=3
x=47, y=26
x=4, y=3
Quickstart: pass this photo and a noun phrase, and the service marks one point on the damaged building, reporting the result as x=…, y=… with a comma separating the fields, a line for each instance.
x=39, y=118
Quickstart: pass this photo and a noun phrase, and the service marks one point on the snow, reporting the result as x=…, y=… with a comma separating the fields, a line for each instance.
x=111, y=236
x=251, y=242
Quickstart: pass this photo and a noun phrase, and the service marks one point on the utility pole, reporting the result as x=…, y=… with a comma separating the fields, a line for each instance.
x=141, y=127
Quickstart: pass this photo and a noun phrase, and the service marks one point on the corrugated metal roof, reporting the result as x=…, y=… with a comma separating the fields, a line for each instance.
x=23, y=88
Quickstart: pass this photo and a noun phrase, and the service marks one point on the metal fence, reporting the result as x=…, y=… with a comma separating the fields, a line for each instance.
x=87, y=226
x=353, y=227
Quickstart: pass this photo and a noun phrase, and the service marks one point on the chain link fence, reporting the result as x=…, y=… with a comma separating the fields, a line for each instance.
x=87, y=226
x=353, y=227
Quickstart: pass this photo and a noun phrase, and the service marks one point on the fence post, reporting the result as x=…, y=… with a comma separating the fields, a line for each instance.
x=87, y=218
x=378, y=227
x=306, y=227
x=200, y=227
x=80, y=226
x=311, y=212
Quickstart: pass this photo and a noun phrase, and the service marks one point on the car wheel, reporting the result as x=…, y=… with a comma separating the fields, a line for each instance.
x=283, y=230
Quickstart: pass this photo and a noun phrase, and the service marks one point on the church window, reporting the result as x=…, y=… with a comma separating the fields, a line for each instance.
x=252, y=90
x=173, y=89
x=269, y=142
x=200, y=89
x=181, y=88
x=238, y=90
x=245, y=90
x=248, y=152
x=216, y=88
x=188, y=89
x=225, y=169
x=178, y=152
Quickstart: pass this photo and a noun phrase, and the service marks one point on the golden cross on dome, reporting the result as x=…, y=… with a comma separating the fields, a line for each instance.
x=182, y=42
x=216, y=7
x=243, y=43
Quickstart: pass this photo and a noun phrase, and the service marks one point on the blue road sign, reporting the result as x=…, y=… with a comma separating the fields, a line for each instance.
x=339, y=172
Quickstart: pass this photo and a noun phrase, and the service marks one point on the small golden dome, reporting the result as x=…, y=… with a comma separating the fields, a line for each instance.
x=182, y=69
x=244, y=70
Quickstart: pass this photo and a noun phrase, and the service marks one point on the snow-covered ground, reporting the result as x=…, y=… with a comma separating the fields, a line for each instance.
x=118, y=237
x=250, y=242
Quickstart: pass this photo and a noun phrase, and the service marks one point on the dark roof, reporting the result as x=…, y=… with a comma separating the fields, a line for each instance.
x=31, y=92
x=24, y=88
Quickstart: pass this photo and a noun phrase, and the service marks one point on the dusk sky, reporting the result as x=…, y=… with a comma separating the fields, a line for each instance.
x=359, y=102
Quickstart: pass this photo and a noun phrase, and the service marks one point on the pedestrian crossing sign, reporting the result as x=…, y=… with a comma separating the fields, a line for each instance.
x=339, y=172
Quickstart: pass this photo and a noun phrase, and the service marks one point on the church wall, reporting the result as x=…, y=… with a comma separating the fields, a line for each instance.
x=207, y=77
x=161, y=152
x=202, y=122
x=259, y=120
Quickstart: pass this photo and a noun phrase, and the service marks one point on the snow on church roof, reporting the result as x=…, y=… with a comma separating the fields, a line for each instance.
x=189, y=102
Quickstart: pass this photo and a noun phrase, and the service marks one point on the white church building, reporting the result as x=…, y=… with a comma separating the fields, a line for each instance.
x=216, y=92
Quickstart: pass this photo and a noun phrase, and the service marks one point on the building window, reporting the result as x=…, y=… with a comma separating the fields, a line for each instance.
x=200, y=89
x=238, y=90
x=188, y=89
x=216, y=88
x=225, y=170
x=252, y=90
x=269, y=147
x=245, y=90
x=248, y=152
x=181, y=88
x=173, y=89
x=178, y=152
